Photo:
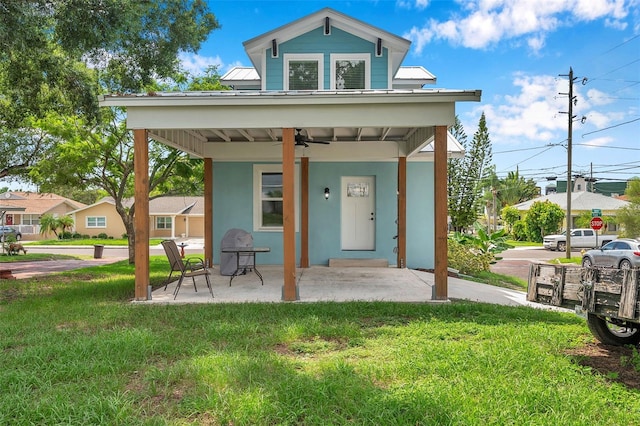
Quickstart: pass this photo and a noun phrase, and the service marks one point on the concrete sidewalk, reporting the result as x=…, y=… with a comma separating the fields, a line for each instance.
x=322, y=283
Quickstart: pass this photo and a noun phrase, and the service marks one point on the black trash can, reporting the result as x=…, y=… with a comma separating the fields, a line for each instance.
x=97, y=251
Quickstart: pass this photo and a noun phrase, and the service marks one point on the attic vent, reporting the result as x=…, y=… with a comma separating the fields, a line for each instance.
x=327, y=26
x=274, y=48
x=379, y=47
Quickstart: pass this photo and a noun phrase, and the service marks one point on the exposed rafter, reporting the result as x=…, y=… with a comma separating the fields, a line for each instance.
x=222, y=135
x=246, y=135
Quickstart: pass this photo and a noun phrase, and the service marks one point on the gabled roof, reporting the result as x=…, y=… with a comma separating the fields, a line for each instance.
x=580, y=201
x=397, y=46
x=170, y=205
x=37, y=203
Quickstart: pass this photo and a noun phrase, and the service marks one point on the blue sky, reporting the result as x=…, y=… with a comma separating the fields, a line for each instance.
x=516, y=52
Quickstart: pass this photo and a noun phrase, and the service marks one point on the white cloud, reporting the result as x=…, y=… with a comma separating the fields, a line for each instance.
x=597, y=142
x=197, y=64
x=487, y=22
x=410, y=4
x=531, y=114
x=597, y=97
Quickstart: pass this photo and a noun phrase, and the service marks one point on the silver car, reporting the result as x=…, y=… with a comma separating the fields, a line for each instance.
x=623, y=253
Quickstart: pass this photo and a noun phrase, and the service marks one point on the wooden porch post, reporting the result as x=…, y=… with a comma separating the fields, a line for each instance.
x=304, y=213
x=402, y=213
x=208, y=210
x=290, y=289
x=141, y=215
x=440, y=212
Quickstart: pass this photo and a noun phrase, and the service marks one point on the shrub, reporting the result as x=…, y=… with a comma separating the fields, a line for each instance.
x=467, y=259
x=125, y=236
x=103, y=236
x=519, y=231
x=66, y=235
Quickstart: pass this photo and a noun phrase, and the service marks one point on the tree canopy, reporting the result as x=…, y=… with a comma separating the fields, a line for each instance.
x=56, y=56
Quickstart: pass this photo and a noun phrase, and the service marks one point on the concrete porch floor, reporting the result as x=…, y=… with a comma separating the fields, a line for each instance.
x=321, y=283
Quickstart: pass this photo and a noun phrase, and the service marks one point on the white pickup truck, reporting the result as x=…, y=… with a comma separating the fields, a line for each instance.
x=580, y=238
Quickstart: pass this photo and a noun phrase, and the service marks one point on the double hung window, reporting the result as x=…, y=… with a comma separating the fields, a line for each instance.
x=350, y=71
x=303, y=72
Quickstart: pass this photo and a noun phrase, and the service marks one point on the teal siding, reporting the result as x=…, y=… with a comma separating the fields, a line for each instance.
x=420, y=213
x=316, y=42
x=233, y=208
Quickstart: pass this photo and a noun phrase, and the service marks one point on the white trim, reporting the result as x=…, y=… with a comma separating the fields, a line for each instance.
x=287, y=57
x=366, y=57
x=258, y=169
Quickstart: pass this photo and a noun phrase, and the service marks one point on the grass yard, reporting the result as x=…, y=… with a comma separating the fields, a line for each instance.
x=75, y=351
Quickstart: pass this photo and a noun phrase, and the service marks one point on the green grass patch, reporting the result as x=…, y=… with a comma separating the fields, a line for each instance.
x=31, y=257
x=88, y=242
x=523, y=243
x=499, y=280
x=74, y=350
x=577, y=260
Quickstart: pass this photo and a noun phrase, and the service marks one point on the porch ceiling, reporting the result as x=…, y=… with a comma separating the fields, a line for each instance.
x=236, y=126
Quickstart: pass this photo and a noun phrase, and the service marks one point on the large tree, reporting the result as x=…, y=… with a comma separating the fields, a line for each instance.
x=629, y=216
x=100, y=157
x=467, y=174
x=57, y=55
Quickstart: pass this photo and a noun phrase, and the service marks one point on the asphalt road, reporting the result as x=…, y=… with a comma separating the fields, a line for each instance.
x=516, y=262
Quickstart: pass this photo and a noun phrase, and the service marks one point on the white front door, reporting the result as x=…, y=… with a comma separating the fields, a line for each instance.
x=358, y=219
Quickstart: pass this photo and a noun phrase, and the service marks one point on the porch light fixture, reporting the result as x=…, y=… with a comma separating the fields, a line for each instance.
x=326, y=193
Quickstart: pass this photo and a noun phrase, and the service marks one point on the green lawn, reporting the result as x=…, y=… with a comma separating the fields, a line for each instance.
x=74, y=350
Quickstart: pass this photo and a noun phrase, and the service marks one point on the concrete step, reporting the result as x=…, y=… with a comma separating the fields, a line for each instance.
x=358, y=263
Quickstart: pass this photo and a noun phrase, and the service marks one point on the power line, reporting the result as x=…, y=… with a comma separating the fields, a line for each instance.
x=610, y=127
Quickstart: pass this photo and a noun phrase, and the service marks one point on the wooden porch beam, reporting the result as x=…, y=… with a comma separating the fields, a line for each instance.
x=141, y=215
x=290, y=289
x=304, y=212
x=440, y=212
x=208, y=210
x=402, y=213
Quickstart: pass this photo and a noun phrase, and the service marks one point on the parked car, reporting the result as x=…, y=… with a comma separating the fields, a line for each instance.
x=580, y=239
x=7, y=231
x=623, y=253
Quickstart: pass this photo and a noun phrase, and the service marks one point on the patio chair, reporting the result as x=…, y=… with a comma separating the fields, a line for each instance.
x=191, y=268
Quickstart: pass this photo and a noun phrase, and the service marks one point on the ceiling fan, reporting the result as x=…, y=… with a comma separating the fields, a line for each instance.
x=302, y=140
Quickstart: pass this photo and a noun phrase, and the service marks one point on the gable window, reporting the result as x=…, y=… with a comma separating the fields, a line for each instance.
x=303, y=72
x=96, y=222
x=267, y=199
x=163, y=222
x=350, y=71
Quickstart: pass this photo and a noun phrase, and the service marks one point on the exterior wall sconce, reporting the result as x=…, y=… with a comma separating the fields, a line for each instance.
x=326, y=193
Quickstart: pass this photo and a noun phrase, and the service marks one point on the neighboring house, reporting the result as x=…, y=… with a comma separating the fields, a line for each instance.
x=169, y=217
x=581, y=202
x=375, y=187
x=581, y=183
x=35, y=205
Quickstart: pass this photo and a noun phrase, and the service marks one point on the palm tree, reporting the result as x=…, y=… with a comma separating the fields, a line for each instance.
x=49, y=223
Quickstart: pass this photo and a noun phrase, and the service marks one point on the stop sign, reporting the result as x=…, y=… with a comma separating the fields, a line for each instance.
x=596, y=223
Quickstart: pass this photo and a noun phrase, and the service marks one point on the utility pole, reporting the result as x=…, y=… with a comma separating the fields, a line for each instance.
x=572, y=102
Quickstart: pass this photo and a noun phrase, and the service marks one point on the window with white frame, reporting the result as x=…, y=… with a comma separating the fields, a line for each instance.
x=303, y=72
x=351, y=71
x=163, y=222
x=30, y=219
x=96, y=222
x=268, y=197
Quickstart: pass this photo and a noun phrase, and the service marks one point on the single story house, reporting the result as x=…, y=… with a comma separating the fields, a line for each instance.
x=169, y=217
x=34, y=205
x=328, y=149
x=581, y=202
